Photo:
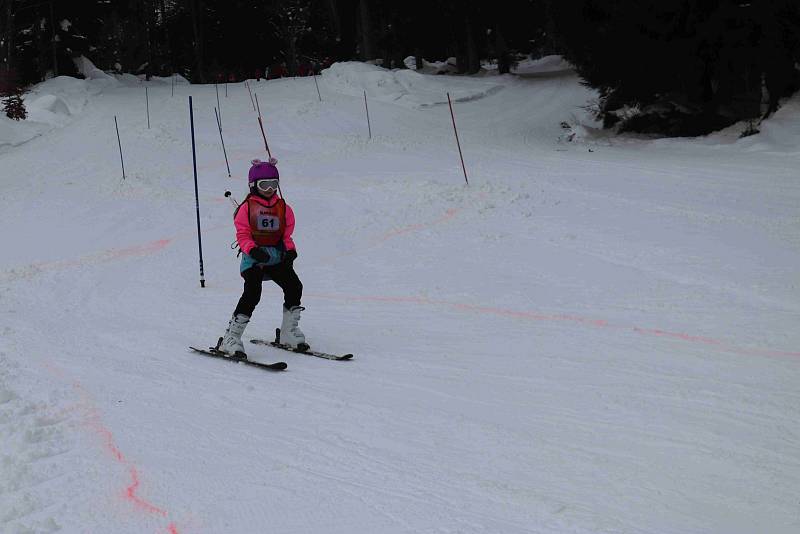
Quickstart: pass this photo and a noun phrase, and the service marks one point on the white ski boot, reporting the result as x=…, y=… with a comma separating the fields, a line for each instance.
x=232, y=340
x=291, y=334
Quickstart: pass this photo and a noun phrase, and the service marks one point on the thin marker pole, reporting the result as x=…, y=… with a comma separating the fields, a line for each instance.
x=173, y=84
x=315, y=83
x=220, y=109
x=219, y=125
x=226, y=89
x=452, y=115
x=147, y=100
x=247, y=83
x=122, y=161
x=196, y=196
x=369, y=127
x=257, y=104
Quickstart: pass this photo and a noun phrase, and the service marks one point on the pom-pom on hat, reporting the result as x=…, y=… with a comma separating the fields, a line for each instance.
x=262, y=169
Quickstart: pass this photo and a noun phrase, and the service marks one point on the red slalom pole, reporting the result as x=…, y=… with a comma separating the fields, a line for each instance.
x=452, y=115
x=247, y=83
x=266, y=145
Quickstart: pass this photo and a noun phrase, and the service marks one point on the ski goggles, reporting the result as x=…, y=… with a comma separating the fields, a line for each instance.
x=267, y=185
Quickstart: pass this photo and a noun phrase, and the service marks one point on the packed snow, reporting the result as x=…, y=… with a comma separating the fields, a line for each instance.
x=595, y=335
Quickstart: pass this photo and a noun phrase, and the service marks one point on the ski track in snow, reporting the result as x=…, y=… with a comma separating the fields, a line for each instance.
x=158, y=245
x=566, y=345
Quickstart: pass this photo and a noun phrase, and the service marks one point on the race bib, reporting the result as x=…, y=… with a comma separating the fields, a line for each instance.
x=269, y=222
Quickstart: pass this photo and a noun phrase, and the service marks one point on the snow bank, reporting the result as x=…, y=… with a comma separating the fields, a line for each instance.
x=405, y=87
x=779, y=133
x=54, y=102
x=88, y=69
x=547, y=64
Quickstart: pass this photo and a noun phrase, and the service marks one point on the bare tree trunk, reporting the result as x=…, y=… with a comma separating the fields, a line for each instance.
x=291, y=59
x=8, y=35
x=53, y=39
x=501, y=49
x=196, y=8
x=150, y=24
x=335, y=18
x=473, y=60
x=367, y=40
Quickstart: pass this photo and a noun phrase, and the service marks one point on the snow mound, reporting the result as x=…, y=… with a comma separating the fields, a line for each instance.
x=87, y=68
x=48, y=109
x=404, y=87
x=546, y=64
x=169, y=80
x=779, y=133
x=53, y=103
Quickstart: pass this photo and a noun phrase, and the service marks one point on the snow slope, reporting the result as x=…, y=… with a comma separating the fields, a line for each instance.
x=590, y=337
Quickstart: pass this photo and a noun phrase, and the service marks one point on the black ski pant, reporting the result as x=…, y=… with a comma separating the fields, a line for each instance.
x=282, y=274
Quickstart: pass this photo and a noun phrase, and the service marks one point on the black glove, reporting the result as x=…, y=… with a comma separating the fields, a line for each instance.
x=289, y=257
x=259, y=255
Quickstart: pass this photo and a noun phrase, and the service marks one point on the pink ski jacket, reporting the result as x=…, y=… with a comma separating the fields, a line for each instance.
x=242, y=223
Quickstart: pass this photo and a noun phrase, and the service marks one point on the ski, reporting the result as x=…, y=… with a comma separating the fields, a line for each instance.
x=302, y=349
x=214, y=353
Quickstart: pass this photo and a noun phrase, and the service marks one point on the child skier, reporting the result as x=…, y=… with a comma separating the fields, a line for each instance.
x=264, y=224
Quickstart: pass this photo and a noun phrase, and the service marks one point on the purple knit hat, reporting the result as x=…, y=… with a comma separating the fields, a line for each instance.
x=262, y=169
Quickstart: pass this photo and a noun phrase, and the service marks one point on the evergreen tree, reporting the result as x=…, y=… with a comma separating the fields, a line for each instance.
x=11, y=96
x=290, y=19
x=689, y=66
x=14, y=106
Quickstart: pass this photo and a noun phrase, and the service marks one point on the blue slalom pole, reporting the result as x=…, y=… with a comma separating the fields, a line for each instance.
x=196, y=195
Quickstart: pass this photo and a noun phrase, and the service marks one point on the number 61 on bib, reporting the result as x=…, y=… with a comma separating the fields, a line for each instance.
x=269, y=222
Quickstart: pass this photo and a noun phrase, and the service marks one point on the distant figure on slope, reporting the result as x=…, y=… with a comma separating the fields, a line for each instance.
x=264, y=224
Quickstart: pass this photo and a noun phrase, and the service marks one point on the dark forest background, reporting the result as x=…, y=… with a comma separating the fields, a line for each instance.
x=203, y=39
x=680, y=67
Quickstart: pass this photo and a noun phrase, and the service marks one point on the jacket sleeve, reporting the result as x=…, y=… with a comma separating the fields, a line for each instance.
x=243, y=235
x=287, y=232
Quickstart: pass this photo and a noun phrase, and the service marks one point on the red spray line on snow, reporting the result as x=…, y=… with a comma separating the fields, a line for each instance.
x=452, y=115
x=93, y=421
